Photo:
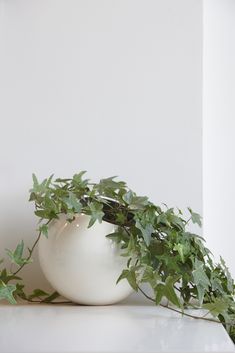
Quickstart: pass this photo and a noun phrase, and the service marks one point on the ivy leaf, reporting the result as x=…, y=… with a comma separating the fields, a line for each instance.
x=218, y=306
x=62, y=180
x=146, y=231
x=116, y=236
x=78, y=181
x=150, y=276
x=51, y=297
x=16, y=256
x=40, y=188
x=73, y=203
x=201, y=280
x=157, y=247
x=159, y=293
x=119, y=235
x=139, y=202
x=110, y=184
x=192, y=235
x=183, y=250
x=44, y=230
x=6, y=292
x=35, y=183
x=20, y=291
x=199, y=274
x=131, y=278
x=167, y=290
x=97, y=213
x=201, y=290
x=230, y=282
x=196, y=218
x=78, y=177
x=128, y=197
x=7, y=277
x=216, y=283
x=120, y=218
x=38, y=293
x=174, y=220
x=163, y=219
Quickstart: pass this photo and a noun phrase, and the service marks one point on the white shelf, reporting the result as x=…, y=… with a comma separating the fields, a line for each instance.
x=130, y=327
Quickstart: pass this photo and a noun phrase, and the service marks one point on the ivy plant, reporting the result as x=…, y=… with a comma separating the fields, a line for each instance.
x=160, y=249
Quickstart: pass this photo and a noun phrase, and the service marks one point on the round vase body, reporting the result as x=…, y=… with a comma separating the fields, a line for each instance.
x=81, y=263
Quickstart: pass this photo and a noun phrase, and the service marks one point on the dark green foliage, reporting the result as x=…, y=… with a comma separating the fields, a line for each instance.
x=160, y=248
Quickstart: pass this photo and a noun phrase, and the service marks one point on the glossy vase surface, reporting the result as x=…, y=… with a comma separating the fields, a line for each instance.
x=81, y=263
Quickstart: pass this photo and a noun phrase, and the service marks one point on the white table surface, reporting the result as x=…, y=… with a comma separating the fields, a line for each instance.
x=131, y=326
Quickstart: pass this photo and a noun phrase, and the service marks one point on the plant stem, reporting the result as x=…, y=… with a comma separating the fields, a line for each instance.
x=30, y=254
x=30, y=251
x=43, y=302
x=178, y=311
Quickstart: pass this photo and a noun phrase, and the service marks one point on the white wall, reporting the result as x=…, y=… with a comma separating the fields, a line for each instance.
x=219, y=127
x=112, y=87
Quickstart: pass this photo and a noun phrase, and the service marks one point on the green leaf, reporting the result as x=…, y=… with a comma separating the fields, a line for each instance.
x=17, y=256
x=38, y=293
x=201, y=290
x=128, y=197
x=230, y=282
x=216, y=283
x=44, y=230
x=146, y=231
x=51, y=297
x=78, y=177
x=218, y=306
x=169, y=290
x=175, y=221
x=6, y=292
x=150, y=276
x=44, y=214
x=97, y=213
x=62, y=180
x=201, y=280
x=78, y=181
x=19, y=292
x=123, y=275
x=139, y=202
x=39, y=188
x=183, y=250
x=35, y=182
x=157, y=247
x=73, y=203
x=159, y=293
x=8, y=276
x=117, y=236
x=120, y=218
x=199, y=274
x=163, y=219
x=192, y=235
x=196, y=218
x=108, y=184
x=131, y=278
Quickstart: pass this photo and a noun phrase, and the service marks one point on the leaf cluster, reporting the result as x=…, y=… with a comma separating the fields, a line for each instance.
x=160, y=249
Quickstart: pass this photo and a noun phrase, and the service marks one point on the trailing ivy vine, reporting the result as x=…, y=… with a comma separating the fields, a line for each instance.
x=161, y=250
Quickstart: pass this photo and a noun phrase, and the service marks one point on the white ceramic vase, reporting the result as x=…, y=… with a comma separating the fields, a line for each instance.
x=81, y=263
